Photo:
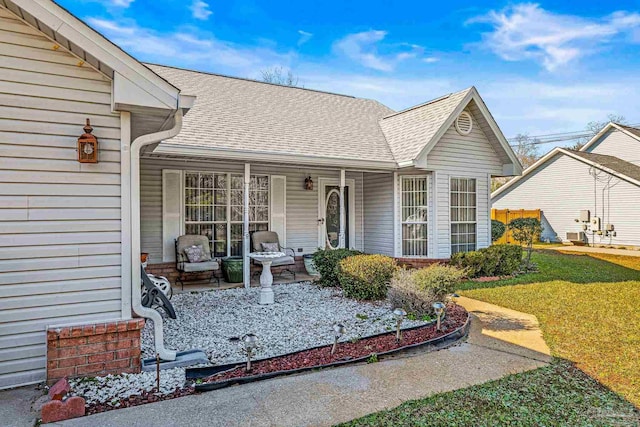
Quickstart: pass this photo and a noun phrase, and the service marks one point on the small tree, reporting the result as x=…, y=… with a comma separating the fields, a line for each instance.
x=526, y=231
x=277, y=75
x=497, y=229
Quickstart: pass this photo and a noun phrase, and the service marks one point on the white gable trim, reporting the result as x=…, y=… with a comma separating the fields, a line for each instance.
x=607, y=128
x=548, y=157
x=514, y=166
x=70, y=28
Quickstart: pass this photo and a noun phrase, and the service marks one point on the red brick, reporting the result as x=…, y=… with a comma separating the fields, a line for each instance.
x=52, y=345
x=100, y=357
x=57, y=410
x=101, y=328
x=113, y=345
x=123, y=344
x=72, y=361
x=112, y=327
x=52, y=364
x=55, y=374
x=135, y=342
x=77, y=331
x=116, y=364
x=67, y=352
x=72, y=342
x=59, y=389
x=92, y=368
x=89, y=329
x=92, y=348
x=122, y=326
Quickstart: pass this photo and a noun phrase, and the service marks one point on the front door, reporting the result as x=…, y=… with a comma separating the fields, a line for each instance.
x=329, y=215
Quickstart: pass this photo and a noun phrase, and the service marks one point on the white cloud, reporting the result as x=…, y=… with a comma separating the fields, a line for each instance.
x=364, y=48
x=118, y=3
x=305, y=36
x=430, y=59
x=527, y=31
x=200, y=10
x=190, y=47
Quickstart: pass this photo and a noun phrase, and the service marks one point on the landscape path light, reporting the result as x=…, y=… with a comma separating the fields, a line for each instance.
x=438, y=307
x=338, y=331
x=250, y=342
x=400, y=314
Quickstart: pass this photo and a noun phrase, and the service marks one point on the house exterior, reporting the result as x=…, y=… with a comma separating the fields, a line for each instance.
x=602, y=178
x=187, y=152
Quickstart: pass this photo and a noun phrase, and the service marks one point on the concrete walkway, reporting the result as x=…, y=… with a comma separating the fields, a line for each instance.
x=16, y=406
x=501, y=342
x=589, y=249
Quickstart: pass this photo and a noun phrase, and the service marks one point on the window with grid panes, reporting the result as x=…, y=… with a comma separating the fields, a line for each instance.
x=214, y=208
x=414, y=195
x=463, y=214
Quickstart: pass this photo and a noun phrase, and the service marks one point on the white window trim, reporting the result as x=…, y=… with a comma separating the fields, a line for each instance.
x=451, y=178
x=398, y=214
x=349, y=182
x=228, y=221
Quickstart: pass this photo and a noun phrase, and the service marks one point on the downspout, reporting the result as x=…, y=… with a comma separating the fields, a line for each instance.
x=136, y=297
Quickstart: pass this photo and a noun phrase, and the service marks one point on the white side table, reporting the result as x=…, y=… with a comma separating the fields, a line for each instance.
x=266, y=278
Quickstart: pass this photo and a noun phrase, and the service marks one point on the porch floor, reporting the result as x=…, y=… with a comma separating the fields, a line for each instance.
x=205, y=285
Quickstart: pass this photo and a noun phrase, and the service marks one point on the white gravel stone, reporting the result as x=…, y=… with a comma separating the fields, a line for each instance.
x=301, y=317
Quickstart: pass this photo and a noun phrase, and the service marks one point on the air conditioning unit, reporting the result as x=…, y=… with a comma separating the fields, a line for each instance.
x=576, y=236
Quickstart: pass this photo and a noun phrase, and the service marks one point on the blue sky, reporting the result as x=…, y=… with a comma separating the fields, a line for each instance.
x=540, y=67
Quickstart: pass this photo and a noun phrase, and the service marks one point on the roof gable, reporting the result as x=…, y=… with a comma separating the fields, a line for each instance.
x=611, y=126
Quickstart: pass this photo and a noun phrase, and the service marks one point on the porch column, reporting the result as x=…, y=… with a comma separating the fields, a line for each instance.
x=246, y=276
x=341, y=235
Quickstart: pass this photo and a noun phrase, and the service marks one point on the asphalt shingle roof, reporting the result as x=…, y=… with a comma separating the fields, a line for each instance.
x=611, y=162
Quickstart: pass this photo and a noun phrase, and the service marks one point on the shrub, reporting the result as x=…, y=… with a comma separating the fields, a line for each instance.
x=417, y=290
x=326, y=262
x=496, y=260
x=526, y=231
x=366, y=277
x=497, y=229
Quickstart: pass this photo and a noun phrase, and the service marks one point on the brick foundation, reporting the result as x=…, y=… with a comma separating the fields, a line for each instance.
x=95, y=349
x=419, y=262
x=168, y=270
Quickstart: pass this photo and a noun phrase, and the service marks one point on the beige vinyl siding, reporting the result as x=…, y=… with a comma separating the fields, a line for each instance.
x=378, y=213
x=618, y=144
x=302, y=205
x=460, y=156
x=60, y=233
x=562, y=187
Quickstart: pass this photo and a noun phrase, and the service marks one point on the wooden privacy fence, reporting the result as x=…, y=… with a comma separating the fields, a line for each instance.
x=506, y=215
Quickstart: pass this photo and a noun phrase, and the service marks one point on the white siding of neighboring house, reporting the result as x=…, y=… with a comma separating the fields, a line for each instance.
x=378, y=213
x=60, y=234
x=470, y=156
x=301, y=212
x=562, y=187
x=618, y=144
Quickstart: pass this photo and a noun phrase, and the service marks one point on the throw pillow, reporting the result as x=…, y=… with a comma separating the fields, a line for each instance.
x=270, y=247
x=195, y=253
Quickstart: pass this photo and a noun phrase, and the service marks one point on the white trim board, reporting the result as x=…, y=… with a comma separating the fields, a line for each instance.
x=349, y=182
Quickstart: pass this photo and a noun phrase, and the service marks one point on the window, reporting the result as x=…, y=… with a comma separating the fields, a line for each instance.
x=414, y=196
x=463, y=215
x=214, y=208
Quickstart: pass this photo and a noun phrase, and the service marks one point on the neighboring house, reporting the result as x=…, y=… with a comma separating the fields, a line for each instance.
x=412, y=184
x=603, y=178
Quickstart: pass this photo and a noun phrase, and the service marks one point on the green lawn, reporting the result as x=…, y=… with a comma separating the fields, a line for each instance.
x=588, y=310
x=556, y=395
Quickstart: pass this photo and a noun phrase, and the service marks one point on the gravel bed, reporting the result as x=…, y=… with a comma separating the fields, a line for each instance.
x=301, y=317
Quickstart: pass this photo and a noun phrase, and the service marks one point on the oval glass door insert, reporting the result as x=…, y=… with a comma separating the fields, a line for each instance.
x=332, y=219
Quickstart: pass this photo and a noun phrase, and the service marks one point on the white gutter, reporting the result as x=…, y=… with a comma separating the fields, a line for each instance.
x=136, y=297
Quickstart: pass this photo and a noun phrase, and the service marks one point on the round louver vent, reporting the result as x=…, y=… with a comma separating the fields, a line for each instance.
x=464, y=124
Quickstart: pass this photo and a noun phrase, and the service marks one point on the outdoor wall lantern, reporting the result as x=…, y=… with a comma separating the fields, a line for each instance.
x=308, y=183
x=250, y=342
x=399, y=313
x=88, y=146
x=438, y=307
x=338, y=331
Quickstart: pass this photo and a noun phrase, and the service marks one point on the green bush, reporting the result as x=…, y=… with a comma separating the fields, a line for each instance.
x=496, y=260
x=326, y=262
x=498, y=228
x=366, y=277
x=526, y=231
x=417, y=290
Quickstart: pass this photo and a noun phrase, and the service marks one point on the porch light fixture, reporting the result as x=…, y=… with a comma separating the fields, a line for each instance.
x=88, y=146
x=308, y=183
x=250, y=342
x=338, y=331
x=399, y=314
x=438, y=307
